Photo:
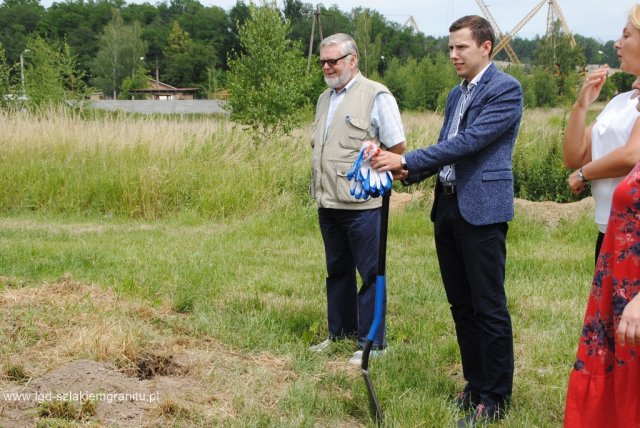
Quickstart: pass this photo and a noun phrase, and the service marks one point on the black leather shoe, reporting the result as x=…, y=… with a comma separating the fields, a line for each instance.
x=464, y=402
x=482, y=416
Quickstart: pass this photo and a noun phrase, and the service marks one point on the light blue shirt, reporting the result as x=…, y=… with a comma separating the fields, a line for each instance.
x=386, y=122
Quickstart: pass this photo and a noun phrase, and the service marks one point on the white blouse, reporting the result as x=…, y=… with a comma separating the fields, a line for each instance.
x=610, y=131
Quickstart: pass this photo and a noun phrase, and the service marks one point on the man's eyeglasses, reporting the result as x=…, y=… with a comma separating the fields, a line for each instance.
x=331, y=62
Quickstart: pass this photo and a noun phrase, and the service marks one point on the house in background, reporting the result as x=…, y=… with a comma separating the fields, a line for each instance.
x=161, y=91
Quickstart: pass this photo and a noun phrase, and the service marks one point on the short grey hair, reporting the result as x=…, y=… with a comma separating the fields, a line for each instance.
x=346, y=42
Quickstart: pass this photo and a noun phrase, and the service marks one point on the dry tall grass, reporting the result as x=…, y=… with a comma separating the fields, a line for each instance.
x=60, y=126
x=143, y=167
x=151, y=167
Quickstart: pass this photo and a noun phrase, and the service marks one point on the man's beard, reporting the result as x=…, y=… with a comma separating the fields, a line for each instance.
x=340, y=81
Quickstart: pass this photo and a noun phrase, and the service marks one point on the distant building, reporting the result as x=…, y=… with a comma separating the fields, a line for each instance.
x=592, y=67
x=162, y=91
x=96, y=95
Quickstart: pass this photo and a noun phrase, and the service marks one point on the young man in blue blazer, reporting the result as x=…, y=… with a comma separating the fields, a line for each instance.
x=473, y=203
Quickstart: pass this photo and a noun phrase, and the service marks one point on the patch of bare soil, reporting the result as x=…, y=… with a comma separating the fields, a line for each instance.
x=399, y=200
x=139, y=366
x=548, y=212
x=552, y=213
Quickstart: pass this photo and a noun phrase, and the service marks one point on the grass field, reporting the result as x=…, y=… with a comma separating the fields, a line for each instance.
x=182, y=250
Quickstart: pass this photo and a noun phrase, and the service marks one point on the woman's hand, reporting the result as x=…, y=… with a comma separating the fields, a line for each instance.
x=576, y=186
x=592, y=86
x=629, y=327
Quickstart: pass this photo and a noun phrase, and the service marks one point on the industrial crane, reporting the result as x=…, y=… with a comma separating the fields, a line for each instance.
x=507, y=47
x=554, y=9
x=411, y=23
x=504, y=42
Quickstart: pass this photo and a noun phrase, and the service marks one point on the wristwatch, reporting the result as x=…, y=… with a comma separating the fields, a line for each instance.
x=580, y=175
x=403, y=162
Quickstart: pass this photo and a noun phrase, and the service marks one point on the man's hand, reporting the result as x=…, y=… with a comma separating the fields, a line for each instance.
x=387, y=161
x=576, y=186
x=629, y=327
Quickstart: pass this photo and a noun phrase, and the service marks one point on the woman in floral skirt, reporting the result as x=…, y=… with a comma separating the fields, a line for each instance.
x=604, y=386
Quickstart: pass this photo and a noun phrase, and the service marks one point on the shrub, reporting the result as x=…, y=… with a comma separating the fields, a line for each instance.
x=539, y=174
x=422, y=85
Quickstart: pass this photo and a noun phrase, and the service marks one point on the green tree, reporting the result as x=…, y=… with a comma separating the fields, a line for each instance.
x=208, y=28
x=267, y=82
x=138, y=80
x=421, y=85
x=77, y=23
x=5, y=86
x=394, y=80
x=215, y=81
x=622, y=81
x=73, y=77
x=301, y=16
x=155, y=34
x=176, y=56
x=561, y=61
x=609, y=55
x=439, y=81
x=121, y=50
x=18, y=20
x=526, y=81
x=43, y=72
x=546, y=89
x=608, y=90
x=369, y=49
x=185, y=60
x=238, y=15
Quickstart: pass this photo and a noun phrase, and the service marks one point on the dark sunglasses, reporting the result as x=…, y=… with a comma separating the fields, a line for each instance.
x=331, y=62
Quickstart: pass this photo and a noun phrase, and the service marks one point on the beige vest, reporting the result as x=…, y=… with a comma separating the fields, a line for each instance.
x=334, y=153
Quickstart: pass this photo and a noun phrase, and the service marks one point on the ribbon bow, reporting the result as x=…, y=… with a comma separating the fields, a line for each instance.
x=365, y=181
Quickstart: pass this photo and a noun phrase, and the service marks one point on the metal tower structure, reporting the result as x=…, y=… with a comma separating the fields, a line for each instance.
x=507, y=47
x=411, y=23
x=554, y=13
x=316, y=19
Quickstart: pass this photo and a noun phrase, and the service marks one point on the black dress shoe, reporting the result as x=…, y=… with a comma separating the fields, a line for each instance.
x=464, y=402
x=482, y=416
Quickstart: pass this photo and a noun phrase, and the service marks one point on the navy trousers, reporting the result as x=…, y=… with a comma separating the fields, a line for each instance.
x=351, y=239
x=472, y=264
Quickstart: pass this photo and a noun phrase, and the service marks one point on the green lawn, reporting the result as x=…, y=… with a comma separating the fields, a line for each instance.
x=256, y=286
x=208, y=242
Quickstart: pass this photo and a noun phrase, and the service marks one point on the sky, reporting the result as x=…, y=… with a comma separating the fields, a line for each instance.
x=601, y=20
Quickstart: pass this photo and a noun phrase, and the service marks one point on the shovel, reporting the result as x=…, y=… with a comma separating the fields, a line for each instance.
x=377, y=312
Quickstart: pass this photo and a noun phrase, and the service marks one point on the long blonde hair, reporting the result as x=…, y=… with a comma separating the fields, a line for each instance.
x=634, y=16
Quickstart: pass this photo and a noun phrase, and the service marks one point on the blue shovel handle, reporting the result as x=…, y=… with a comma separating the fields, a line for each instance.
x=381, y=282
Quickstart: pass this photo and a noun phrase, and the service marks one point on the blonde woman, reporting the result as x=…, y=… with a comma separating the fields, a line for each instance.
x=604, y=386
x=600, y=152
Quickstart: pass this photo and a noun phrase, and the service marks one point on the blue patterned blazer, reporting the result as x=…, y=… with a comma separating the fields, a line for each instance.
x=482, y=150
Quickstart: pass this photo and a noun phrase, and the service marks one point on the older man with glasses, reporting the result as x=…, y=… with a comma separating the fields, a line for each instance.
x=352, y=110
